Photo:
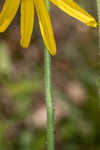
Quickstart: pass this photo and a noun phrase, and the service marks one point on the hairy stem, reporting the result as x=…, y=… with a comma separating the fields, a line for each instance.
x=48, y=94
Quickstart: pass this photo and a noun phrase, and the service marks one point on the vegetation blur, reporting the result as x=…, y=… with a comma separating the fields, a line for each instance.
x=76, y=83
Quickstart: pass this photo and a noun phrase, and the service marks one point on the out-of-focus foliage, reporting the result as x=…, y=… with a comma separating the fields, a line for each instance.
x=76, y=83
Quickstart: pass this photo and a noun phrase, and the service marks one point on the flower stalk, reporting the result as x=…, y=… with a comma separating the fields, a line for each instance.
x=49, y=101
x=48, y=96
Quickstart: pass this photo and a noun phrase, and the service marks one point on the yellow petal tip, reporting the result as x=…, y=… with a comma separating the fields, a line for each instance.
x=3, y=26
x=92, y=23
x=24, y=44
x=52, y=52
x=2, y=30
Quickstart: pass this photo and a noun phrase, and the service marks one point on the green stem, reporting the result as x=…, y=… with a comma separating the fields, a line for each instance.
x=49, y=102
x=49, y=99
x=98, y=11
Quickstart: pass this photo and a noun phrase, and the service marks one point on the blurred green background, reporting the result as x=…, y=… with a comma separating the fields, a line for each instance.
x=76, y=82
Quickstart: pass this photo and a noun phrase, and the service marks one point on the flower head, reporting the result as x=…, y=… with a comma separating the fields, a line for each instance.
x=10, y=8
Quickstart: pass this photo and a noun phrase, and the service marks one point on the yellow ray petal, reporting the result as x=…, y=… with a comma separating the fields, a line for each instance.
x=74, y=10
x=45, y=26
x=27, y=20
x=8, y=12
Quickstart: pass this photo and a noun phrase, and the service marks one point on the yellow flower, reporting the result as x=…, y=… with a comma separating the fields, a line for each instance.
x=10, y=8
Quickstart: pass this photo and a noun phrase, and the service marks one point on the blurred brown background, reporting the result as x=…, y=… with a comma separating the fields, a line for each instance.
x=75, y=72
